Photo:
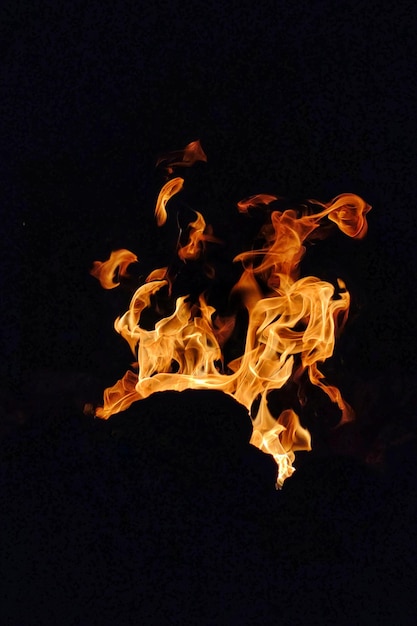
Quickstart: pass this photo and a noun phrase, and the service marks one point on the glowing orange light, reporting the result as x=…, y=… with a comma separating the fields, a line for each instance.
x=170, y=188
x=199, y=233
x=106, y=271
x=182, y=158
x=292, y=321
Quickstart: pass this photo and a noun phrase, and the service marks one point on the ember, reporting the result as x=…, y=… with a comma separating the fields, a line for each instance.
x=291, y=321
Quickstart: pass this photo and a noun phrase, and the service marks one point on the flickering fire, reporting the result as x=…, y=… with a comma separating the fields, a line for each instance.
x=292, y=321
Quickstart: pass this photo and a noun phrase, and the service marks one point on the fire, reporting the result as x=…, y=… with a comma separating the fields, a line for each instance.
x=118, y=262
x=199, y=233
x=168, y=190
x=182, y=158
x=292, y=321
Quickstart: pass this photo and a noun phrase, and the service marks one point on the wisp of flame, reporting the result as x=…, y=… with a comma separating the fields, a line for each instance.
x=292, y=321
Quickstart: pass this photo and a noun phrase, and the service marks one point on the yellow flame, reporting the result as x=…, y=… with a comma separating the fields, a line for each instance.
x=292, y=321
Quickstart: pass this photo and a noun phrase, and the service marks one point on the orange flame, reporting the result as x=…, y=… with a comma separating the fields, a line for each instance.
x=170, y=188
x=348, y=212
x=291, y=329
x=118, y=263
x=199, y=234
x=255, y=201
x=183, y=158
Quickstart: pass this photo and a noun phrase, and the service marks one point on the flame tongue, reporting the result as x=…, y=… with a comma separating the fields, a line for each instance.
x=182, y=158
x=118, y=263
x=199, y=233
x=291, y=327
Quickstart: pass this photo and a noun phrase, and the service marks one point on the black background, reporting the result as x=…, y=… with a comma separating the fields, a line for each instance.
x=294, y=99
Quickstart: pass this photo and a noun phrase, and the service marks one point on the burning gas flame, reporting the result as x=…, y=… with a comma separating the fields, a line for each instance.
x=292, y=321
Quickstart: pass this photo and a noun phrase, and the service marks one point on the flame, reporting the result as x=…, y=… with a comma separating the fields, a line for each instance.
x=292, y=321
x=170, y=188
x=198, y=235
x=118, y=263
x=282, y=439
x=183, y=158
x=255, y=201
x=158, y=274
x=348, y=212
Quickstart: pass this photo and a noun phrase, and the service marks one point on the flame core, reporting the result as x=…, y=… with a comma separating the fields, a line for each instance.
x=292, y=321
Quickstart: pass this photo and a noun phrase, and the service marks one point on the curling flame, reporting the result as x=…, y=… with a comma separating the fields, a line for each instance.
x=348, y=212
x=255, y=201
x=183, y=158
x=106, y=271
x=122, y=394
x=292, y=321
x=199, y=234
x=283, y=437
x=170, y=188
x=158, y=274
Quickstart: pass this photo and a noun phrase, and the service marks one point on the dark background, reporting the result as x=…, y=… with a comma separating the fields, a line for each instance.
x=294, y=99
